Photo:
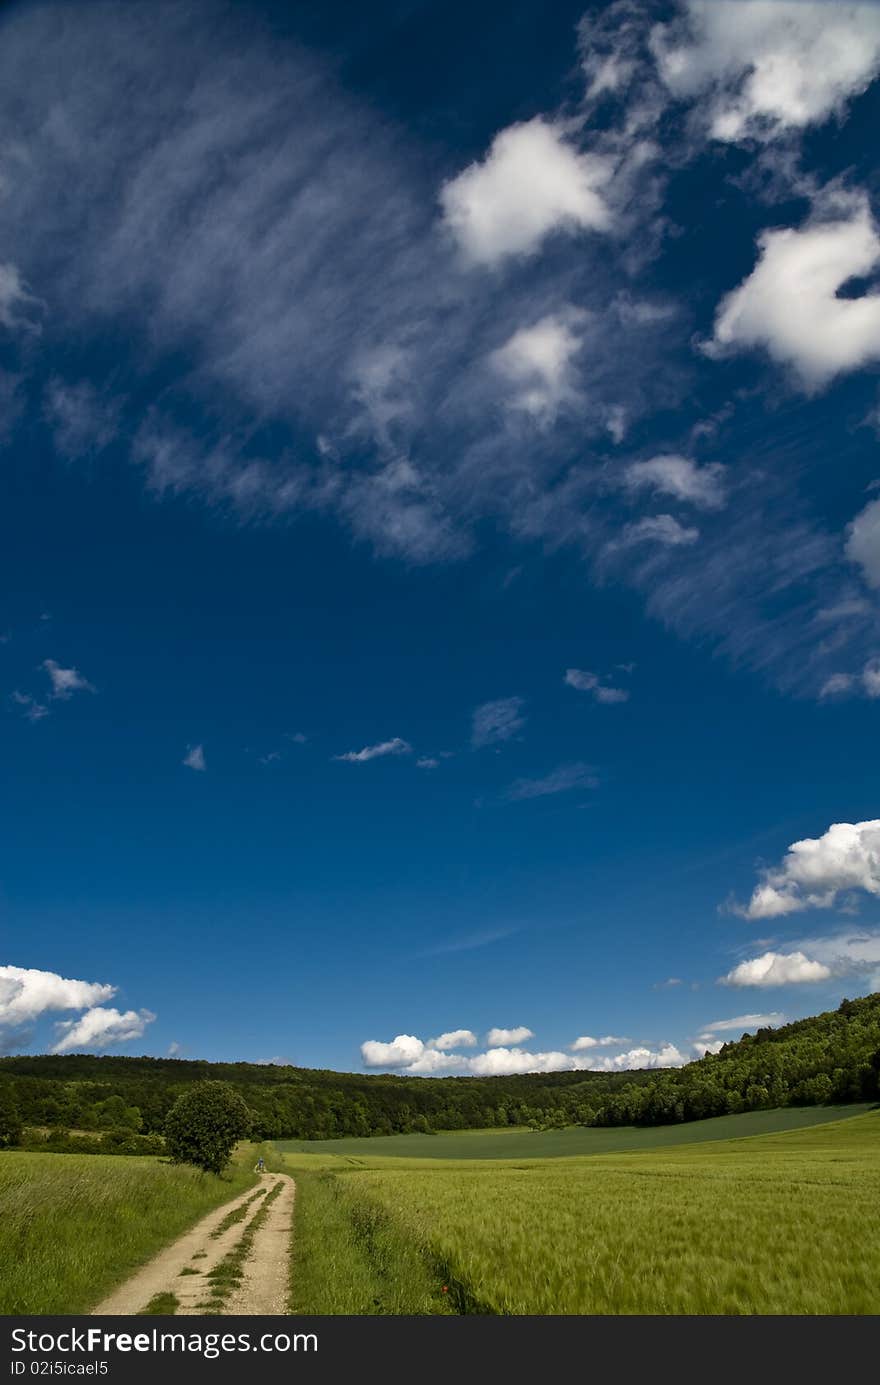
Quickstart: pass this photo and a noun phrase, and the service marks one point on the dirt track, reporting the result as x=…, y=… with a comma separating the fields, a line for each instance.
x=265, y=1283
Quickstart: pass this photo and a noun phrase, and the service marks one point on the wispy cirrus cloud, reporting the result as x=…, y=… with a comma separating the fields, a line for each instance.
x=216, y=200
x=594, y=683
x=560, y=780
x=396, y=746
x=498, y=721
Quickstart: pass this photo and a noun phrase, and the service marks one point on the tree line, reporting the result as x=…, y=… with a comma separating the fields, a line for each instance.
x=124, y=1102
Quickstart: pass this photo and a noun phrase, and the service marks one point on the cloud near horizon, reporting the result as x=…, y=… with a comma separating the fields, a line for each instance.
x=504, y=1056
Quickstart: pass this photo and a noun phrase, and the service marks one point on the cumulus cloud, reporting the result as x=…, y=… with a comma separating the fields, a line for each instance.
x=665, y=1056
x=606, y=1041
x=395, y=746
x=560, y=780
x=497, y=721
x=776, y=969
x=503, y=1037
x=680, y=477
x=764, y=67
x=790, y=305
x=849, y=953
x=863, y=542
x=455, y=1038
x=195, y=758
x=400, y=1052
x=584, y=681
x=504, y=1056
x=816, y=870
x=531, y=183
x=537, y=364
x=502, y=1061
x=27, y=993
x=65, y=681
x=100, y=1027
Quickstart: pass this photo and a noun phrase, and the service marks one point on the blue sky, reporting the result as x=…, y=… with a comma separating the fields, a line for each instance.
x=440, y=527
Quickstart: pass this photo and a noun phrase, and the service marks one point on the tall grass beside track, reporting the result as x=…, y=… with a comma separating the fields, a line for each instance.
x=72, y=1226
x=773, y=1224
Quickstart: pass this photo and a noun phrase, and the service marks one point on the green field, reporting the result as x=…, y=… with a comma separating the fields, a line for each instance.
x=560, y=1144
x=785, y=1223
x=74, y=1225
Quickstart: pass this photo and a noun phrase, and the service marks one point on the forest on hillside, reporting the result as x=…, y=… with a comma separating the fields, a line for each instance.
x=832, y=1057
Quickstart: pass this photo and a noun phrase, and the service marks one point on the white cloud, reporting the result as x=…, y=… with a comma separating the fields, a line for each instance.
x=395, y=746
x=670, y=474
x=849, y=954
x=503, y=1061
x=666, y=1056
x=195, y=758
x=769, y=66
x=174, y=1048
x=454, y=1038
x=537, y=363
x=402, y=1051
x=606, y=1041
x=584, y=681
x=32, y=709
x=863, y=543
x=65, y=681
x=662, y=529
x=531, y=183
x=560, y=780
x=81, y=422
x=504, y=1056
x=14, y=298
x=815, y=871
x=837, y=683
x=704, y=1046
x=427, y=762
x=867, y=682
x=503, y=1037
x=789, y=304
x=497, y=721
x=744, y=1024
x=776, y=969
x=99, y=1027
x=26, y=993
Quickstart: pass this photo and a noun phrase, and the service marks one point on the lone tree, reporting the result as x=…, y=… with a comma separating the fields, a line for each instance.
x=204, y=1124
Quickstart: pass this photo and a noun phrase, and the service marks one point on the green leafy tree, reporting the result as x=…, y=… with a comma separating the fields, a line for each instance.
x=10, y=1121
x=205, y=1123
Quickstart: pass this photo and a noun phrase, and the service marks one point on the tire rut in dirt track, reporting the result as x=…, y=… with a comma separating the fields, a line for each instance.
x=266, y=1273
